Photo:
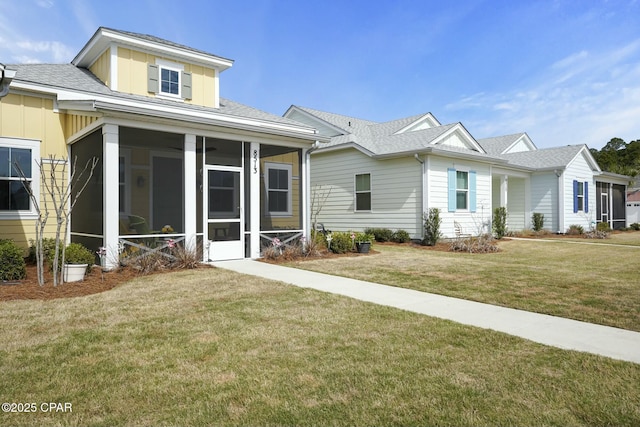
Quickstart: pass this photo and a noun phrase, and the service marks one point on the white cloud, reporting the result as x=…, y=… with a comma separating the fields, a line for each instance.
x=583, y=98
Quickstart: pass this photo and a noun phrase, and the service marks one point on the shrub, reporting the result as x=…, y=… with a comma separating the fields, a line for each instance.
x=575, y=230
x=596, y=234
x=603, y=226
x=380, y=234
x=400, y=236
x=537, y=220
x=48, y=246
x=475, y=245
x=340, y=242
x=499, y=224
x=77, y=253
x=432, y=222
x=635, y=226
x=12, y=265
x=364, y=237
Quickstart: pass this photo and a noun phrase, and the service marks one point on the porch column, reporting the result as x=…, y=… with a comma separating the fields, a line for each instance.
x=504, y=189
x=527, y=202
x=111, y=193
x=305, y=193
x=610, y=207
x=254, y=198
x=190, y=191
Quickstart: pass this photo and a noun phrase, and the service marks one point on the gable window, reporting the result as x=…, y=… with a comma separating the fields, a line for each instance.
x=580, y=196
x=462, y=190
x=363, y=192
x=17, y=164
x=278, y=181
x=169, y=81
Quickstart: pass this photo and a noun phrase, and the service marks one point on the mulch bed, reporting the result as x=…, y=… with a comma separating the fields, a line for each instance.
x=93, y=283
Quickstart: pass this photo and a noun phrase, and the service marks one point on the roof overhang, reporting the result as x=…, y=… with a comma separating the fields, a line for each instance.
x=6, y=77
x=104, y=38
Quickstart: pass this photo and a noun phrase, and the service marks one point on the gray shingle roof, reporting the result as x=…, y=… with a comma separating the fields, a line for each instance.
x=72, y=78
x=498, y=144
x=546, y=158
x=382, y=139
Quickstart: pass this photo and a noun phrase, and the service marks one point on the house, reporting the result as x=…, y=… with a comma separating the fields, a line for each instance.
x=633, y=206
x=388, y=174
x=174, y=156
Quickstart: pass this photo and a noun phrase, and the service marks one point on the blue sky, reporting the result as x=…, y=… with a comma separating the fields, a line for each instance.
x=565, y=72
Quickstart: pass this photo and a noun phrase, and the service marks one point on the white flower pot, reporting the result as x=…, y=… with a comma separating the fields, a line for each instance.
x=74, y=272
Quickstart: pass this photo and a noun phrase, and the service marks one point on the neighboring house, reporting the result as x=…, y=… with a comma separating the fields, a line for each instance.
x=172, y=151
x=388, y=174
x=633, y=206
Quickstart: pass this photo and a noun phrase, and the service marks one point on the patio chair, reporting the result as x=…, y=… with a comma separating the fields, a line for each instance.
x=139, y=224
x=458, y=230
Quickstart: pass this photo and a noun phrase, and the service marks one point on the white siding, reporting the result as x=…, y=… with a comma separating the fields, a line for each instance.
x=472, y=222
x=544, y=199
x=519, y=147
x=455, y=140
x=396, y=201
x=579, y=170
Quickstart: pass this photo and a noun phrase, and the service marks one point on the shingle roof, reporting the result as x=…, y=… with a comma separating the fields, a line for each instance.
x=545, y=158
x=497, y=145
x=382, y=139
x=72, y=78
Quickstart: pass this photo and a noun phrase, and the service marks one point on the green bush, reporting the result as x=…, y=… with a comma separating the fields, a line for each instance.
x=48, y=248
x=380, y=234
x=537, y=219
x=575, y=230
x=75, y=253
x=635, y=226
x=400, y=236
x=12, y=265
x=603, y=226
x=432, y=222
x=499, y=223
x=364, y=237
x=341, y=242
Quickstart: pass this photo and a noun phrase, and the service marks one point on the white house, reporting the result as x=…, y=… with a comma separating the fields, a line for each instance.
x=388, y=174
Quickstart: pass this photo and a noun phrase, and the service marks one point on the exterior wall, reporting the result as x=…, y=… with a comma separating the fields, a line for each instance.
x=396, y=201
x=102, y=67
x=471, y=222
x=74, y=123
x=516, y=215
x=544, y=198
x=454, y=140
x=30, y=117
x=579, y=170
x=132, y=76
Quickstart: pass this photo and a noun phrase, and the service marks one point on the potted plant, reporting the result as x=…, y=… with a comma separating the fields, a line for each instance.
x=363, y=242
x=77, y=262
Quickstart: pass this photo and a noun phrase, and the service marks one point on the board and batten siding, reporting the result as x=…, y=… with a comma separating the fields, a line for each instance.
x=471, y=222
x=544, y=198
x=579, y=170
x=396, y=200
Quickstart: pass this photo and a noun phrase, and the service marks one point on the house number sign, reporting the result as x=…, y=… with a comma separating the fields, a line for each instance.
x=255, y=161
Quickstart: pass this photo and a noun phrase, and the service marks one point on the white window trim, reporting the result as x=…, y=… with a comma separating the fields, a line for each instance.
x=356, y=192
x=580, y=197
x=173, y=66
x=34, y=146
x=462, y=189
x=279, y=166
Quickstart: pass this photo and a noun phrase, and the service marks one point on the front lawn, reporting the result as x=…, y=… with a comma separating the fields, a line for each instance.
x=211, y=347
x=595, y=283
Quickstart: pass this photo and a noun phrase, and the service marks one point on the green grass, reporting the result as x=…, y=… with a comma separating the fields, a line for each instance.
x=593, y=283
x=210, y=347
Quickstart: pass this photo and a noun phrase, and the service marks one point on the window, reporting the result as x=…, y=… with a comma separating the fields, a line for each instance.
x=18, y=163
x=169, y=81
x=580, y=196
x=363, y=192
x=278, y=184
x=462, y=190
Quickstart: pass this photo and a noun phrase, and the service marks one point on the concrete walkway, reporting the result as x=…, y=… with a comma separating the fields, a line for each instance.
x=550, y=330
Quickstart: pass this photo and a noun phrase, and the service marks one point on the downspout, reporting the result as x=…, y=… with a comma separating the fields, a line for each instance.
x=423, y=191
x=307, y=192
x=6, y=76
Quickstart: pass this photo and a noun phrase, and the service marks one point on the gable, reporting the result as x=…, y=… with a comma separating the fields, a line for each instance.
x=427, y=121
x=459, y=138
x=521, y=145
x=321, y=126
